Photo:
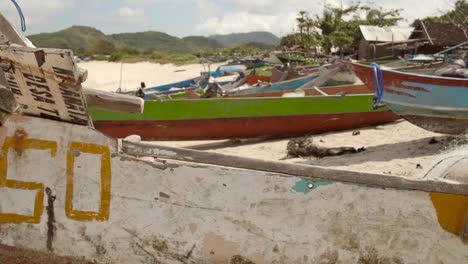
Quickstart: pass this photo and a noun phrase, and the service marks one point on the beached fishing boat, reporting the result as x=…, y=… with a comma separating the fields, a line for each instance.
x=69, y=194
x=434, y=103
x=269, y=87
x=225, y=118
x=200, y=81
x=251, y=85
x=228, y=70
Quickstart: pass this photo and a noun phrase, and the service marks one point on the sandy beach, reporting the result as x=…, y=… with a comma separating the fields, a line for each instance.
x=106, y=75
x=399, y=148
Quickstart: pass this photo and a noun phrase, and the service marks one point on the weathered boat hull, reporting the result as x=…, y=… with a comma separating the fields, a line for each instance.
x=81, y=198
x=242, y=118
x=248, y=127
x=68, y=190
x=434, y=103
x=330, y=90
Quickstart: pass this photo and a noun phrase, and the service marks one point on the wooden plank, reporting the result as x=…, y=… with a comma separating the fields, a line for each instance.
x=383, y=181
x=114, y=102
x=45, y=82
x=319, y=91
x=8, y=34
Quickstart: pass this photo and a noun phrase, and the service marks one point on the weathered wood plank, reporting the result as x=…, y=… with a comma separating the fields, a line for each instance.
x=384, y=181
x=45, y=82
x=114, y=102
x=8, y=34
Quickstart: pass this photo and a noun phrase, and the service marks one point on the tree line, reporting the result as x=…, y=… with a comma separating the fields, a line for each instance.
x=338, y=27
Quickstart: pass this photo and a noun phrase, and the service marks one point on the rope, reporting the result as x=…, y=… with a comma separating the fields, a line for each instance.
x=20, y=12
x=379, y=82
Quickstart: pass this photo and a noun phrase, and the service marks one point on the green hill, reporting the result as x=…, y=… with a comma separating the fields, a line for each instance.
x=235, y=39
x=81, y=39
x=152, y=41
x=197, y=43
x=151, y=45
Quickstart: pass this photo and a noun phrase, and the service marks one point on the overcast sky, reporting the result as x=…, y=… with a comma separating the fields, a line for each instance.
x=190, y=17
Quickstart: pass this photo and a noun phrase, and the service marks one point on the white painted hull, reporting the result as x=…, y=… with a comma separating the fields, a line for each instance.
x=179, y=212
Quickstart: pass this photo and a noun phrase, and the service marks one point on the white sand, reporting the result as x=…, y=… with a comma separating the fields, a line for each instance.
x=106, y=75
x=395, y=148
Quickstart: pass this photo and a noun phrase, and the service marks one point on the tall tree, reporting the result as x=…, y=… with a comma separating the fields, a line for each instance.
x=457, y=15
x=339, y=27
x=301, y=23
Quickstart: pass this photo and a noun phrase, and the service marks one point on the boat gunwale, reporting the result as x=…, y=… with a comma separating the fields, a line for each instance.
x=413, y=74
x=264, y=98
x=312, y=172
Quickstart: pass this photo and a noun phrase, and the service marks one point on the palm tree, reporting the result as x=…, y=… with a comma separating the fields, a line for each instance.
x=301, y=23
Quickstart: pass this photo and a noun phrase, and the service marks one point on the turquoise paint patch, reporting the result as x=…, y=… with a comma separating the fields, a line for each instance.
x=305, y=186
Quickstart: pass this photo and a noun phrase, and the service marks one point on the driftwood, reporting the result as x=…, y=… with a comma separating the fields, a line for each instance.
x=114, y=102
x=304, y=147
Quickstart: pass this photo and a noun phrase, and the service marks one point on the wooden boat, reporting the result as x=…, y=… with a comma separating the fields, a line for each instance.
x=324, y=90
x=251, y=85
x=432, y=102
x=290, y=79
x=182, y=84
x=69, y=194
x=280, y=86
x=226, y=118
x=228, y=70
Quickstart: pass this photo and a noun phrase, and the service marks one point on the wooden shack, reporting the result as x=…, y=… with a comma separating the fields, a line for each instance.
x=437, y=36
x=377, y=42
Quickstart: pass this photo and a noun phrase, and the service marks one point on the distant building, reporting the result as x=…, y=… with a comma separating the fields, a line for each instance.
x=377, y=42
x=435, y=37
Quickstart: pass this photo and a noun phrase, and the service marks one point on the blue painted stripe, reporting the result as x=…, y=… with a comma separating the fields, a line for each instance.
x=437, y=95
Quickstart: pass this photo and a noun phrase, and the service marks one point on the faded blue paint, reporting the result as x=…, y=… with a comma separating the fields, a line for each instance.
x=183, y=86
x=409, y=110
x=305, y=186
x=222, y=70
x=437, y=100
x=277, y=87
x=372, y=186
x=166, y=87
x=436, y=95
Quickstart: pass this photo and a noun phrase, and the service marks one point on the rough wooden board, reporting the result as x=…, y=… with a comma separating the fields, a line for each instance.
x=45, y=83
x=114, y=102
x=387, y=181
x=8, y=34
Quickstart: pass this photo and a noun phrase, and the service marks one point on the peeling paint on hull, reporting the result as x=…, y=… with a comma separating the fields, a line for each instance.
x=242, y=127
x=189, y=213
x=433, y=103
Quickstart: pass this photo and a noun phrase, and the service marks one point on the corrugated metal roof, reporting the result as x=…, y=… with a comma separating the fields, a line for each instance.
x=386, y=34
